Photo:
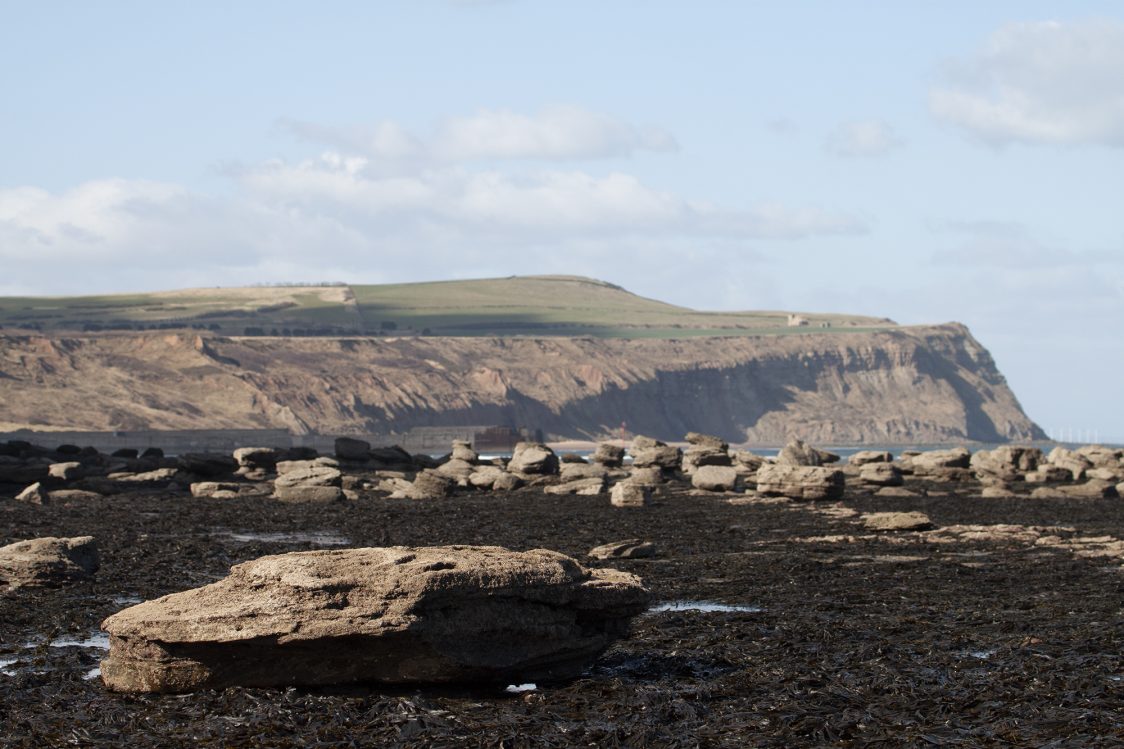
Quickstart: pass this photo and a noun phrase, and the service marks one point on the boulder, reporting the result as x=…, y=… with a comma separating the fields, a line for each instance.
x=999, y=491
x=1101, y=456
x=645, y=476
x=507, y=482
x=34, y=494
x=797, y=453
x=129, y=453
x=881, y=474
x=533, y=459
x=897, y=521
x=571, y=458
x=609, y=455
x=931, y=462
x=589, y=487
x=456, y=469
x=308, y=481
x=895, y=491
x=257, y=457
x=207, y=465
x=628, y=494
x=572, y=471
x=799, y=482
x=65, y=471
x=352, y=450
x=1006, y=463
x=485, y=477
x=430, y=484
x=73, y=495
x=462, y=450
x=398, y=615
x=215, y=489
x=696, y=456
x=707, y=440
x=48, y=562
x=715, y=478
x=23, y=472
x=391, y=457
x=1088, y=490
x=866, y=457
x=649, y=453
x=1047, y=473
x=633, y=548
x=748, y=460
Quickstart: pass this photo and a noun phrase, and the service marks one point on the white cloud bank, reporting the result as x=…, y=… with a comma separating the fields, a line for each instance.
x=392, y=207
x=553, y=134
x=1042, y=82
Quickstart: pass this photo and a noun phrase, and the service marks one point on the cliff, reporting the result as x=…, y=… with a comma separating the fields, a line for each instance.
x=899, y=385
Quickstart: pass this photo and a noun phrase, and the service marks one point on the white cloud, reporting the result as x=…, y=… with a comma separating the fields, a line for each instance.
x=553, y=134
x=1041, y=82
x=866, y=138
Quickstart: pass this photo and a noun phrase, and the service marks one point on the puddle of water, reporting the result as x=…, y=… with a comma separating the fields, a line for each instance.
x=127, y=600
x=1111, y=678
x=99, y=640
x=707, y=607
x=93, y=673
x=520, y=688
x=318, y=538
x=4, y=663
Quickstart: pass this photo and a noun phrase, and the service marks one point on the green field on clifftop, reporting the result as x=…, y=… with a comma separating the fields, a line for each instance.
x=518, y=305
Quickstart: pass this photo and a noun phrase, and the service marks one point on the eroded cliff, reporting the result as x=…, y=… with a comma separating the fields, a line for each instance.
x=921, y=384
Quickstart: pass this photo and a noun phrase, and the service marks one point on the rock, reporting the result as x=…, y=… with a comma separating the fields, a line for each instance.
x=895, y=491
x=1112, y=475
x=463, y=451
x=308, y=481
x=997, y=492
x=646, y=476
x=152, y=452
x=353, y=450
x=715, y=478
x=609, y=455
x=931, y=462
x=22, y=472
x=1047, y=473
x=65, y=471
x=881, y=474
x=667, y=459
x=1087, y=490
x=1101, y=456
x=696, y=456
x=34, y=495
x=1006, y=463
x=571, y=458
x=48, y=562
x=799, y=482
x=398, y=615
x=748, y=460
x=589, y=487
x=215, y=489
x=533, y=459
x=897, y=521
x=391, y=457
x=484, y=477
x=456, y=469
x=130, y=453
x=257, y=457
x=640, y=442
x=429, y=484
x=633, y=548
x=73, y=495
x=207, y=465
x=572, y=471
x=797, y=453
x=507, y=482
x=628, y=494
x=865, y=457
x=706, y=440
x=155, y=479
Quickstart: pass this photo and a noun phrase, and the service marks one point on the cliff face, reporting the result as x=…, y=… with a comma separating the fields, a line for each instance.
x=930, y=384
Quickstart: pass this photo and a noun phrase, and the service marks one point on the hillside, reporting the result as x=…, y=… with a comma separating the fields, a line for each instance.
x=898, y=385
x=528, y=305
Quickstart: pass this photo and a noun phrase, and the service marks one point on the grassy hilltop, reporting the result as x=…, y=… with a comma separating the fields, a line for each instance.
x=518, y=305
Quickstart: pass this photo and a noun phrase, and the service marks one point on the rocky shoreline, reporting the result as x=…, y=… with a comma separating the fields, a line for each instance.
x=844, y=620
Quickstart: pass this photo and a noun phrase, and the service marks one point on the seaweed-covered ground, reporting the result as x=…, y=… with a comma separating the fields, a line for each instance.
x=846, y=639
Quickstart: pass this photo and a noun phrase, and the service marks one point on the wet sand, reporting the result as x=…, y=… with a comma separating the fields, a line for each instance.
x=892, y=640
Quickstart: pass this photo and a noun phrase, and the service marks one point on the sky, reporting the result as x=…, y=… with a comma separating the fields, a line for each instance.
x=924, y=161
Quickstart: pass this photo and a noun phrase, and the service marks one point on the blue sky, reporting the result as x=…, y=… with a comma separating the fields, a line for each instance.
x=923, y=161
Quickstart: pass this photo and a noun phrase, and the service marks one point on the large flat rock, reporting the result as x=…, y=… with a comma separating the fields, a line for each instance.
x=392, y=615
